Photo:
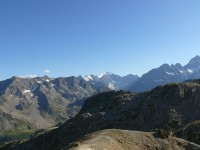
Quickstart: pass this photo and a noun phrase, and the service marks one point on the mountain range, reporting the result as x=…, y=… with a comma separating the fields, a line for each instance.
x=69, y=108
x=29, y=103
x=157, y=119
x=167, y=74
x=40, y=102
x=158, y=76
x=113, y=81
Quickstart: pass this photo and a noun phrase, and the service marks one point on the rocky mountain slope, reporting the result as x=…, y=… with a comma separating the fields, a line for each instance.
x=166, y=74
x=28, y=103
x=170, y=107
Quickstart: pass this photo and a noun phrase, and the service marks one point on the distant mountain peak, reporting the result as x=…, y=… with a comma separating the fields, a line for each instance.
x=168, y=73
x=196, y=57
x=195, y=60
x=88, y=78
x=178, y=65
x=111, y=80
x=104, y=73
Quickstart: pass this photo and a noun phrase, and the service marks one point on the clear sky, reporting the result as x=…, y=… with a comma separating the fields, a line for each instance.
x=79, y=37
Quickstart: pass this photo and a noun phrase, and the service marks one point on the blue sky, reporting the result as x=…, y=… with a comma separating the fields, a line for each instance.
x=79, y=37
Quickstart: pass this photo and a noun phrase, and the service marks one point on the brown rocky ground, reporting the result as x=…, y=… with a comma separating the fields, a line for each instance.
x=113, y=139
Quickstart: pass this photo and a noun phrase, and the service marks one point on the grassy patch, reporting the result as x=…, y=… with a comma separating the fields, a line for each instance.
x=196, y=122
x=18, y=135
x=13, y=135
x=42, y=131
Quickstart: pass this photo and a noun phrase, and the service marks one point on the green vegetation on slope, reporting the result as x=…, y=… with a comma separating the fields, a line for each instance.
x=10, y=137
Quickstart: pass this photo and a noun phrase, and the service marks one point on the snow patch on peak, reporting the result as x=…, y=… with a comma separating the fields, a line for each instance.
x=111, y=86
x=189, y=70
x=27, y=91
x=87, y=78
x=39, y=82
x=170, y=73
x=104, y=73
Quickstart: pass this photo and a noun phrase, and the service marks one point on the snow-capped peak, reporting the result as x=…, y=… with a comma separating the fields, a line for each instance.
x=104, y=73
x=87, y=78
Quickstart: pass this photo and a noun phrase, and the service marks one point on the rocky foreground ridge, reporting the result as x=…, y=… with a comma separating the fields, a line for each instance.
x=115, y=139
